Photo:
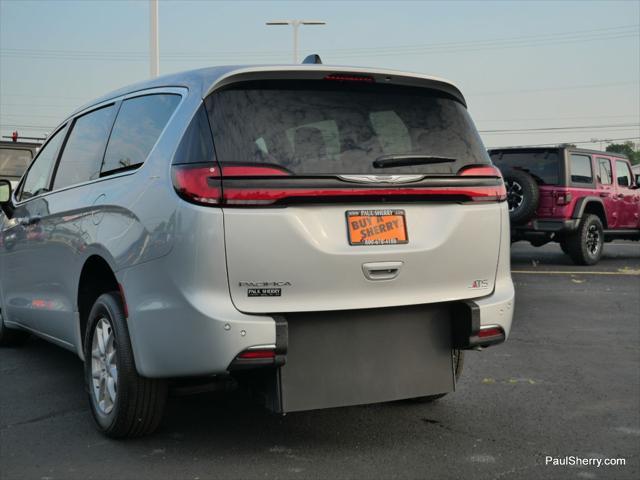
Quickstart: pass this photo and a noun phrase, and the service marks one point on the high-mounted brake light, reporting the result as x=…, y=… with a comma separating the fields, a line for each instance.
x=338, y=77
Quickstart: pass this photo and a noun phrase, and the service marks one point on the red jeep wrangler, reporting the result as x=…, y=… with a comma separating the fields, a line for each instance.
x=579, y=198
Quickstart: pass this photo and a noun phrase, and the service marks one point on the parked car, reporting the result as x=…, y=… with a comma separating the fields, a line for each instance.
x=343, y=243
x=576, y=197
x=15, y=157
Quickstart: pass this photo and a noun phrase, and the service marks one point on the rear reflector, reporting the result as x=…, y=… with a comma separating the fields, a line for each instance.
x=491, y=331
x=257, y=354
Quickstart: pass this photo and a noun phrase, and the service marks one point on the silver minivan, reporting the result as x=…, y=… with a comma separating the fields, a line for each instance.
x=328, y=236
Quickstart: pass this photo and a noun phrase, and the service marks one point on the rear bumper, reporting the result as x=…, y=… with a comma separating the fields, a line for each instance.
x=174, y=335
x=547, y=226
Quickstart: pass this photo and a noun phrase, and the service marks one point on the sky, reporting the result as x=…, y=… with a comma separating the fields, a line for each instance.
x=526, y=68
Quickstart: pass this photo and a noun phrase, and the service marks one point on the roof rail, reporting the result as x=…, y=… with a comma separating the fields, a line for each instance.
x=314, y=58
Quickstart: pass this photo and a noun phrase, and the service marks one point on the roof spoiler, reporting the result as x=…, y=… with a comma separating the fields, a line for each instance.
x=314, y=58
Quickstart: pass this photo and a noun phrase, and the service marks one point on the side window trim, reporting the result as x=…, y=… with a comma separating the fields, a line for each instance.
x=593, y=171
x=18, y=192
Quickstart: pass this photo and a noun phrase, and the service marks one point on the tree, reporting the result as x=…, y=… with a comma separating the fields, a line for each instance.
x=627, y=148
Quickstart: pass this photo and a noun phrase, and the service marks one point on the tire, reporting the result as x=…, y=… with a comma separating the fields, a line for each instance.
x=133, y=406
x=523, y=196
x=458, y=363
x=564, y=246
x=585, y=245
x=11, y=337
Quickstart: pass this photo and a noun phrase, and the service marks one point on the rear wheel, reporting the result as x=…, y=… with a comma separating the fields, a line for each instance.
x=123, y=403
x=11, y=337
x=584, y=246
x=458, y=363
x=523, y=195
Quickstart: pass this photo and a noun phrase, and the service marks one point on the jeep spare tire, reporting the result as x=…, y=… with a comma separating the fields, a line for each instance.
x=523, y=195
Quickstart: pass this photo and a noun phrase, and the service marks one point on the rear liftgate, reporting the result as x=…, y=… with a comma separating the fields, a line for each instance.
x=357, y=357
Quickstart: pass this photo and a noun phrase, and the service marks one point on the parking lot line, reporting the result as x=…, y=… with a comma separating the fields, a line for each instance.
x=633, y=273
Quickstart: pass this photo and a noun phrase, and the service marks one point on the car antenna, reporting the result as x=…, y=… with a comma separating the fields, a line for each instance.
x=314, y=58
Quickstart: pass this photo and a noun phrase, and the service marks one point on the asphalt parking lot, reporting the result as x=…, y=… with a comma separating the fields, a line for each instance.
x=566, y=383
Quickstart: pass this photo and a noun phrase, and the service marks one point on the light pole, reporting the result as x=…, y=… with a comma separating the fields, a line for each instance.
x=296, y=24
x=154, y=50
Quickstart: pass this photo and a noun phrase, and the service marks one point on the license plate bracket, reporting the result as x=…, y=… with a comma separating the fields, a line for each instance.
x=376, y=227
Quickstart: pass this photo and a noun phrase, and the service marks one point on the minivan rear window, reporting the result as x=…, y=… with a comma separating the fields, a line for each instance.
x=314, y=127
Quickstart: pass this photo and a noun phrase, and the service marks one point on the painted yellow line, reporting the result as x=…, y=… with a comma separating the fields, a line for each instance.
x=633, y=273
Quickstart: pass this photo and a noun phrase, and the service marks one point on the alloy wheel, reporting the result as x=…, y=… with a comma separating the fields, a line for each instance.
x=515, y=194
x=104, y=369
x=593, y=240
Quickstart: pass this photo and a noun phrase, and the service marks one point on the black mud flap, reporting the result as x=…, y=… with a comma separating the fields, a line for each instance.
x=363, y=356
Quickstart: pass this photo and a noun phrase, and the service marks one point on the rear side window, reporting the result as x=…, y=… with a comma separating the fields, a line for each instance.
x=314, y=127
x=623, y=173
x=14, y=161
x=139, y=124
x=604, y=171
x=83, y=151
x=580, y=169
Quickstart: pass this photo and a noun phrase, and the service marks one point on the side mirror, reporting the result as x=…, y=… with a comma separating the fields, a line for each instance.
x=5, y=191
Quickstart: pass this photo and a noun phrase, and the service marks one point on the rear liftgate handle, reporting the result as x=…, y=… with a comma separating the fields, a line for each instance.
x=381, y=270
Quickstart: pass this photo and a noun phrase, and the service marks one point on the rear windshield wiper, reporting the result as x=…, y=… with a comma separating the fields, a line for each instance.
x=388, y=161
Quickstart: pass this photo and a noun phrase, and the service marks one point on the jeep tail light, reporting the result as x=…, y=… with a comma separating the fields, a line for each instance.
x=564, y=198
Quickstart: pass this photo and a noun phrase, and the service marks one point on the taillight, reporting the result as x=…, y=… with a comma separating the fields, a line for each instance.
x=262, y=185
x=480, y=171
x=198, y=183
x=486, y=171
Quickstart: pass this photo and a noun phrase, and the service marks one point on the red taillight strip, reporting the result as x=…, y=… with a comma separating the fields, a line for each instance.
x=253, y=171
x=266, y=196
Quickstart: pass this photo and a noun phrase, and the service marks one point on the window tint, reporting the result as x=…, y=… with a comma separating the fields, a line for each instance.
x=623, y=173
x=38, y=176
x=581, y=169
x=604, y=171
x=14, y=161
x=139, y=124
x=320, y=127
x=82, y=153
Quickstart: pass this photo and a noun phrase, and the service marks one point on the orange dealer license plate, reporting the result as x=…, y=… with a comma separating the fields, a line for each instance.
x=376, y=227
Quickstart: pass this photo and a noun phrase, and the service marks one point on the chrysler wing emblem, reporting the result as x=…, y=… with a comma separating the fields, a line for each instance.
x=381, y=178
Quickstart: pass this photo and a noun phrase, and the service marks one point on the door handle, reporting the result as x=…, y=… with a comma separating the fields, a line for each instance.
x=604, y=194
x=620, y=195
x=381, y=270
